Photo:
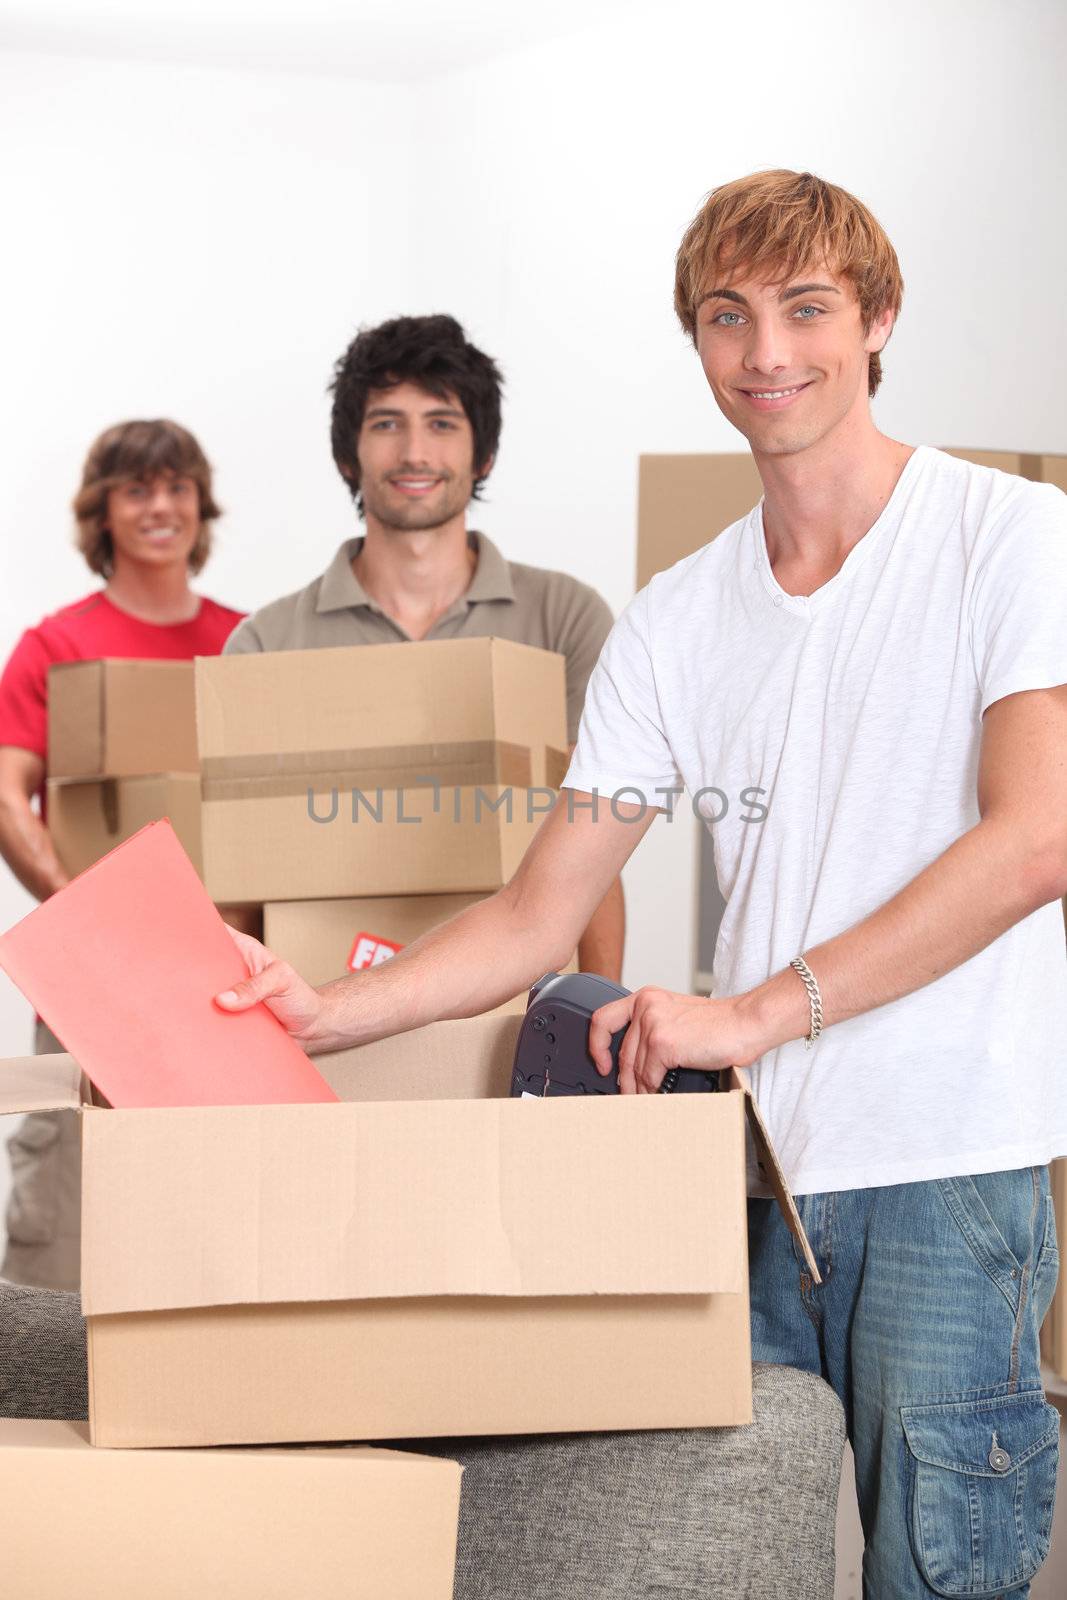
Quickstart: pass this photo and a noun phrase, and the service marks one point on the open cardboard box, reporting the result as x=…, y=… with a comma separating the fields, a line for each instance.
x=427, y=1258
x=339, y=1524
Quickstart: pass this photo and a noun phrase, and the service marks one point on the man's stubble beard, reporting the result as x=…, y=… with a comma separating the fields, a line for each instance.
x=417, y=518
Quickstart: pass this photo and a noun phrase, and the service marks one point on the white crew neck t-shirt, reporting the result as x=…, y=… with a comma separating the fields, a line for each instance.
x=855, y=713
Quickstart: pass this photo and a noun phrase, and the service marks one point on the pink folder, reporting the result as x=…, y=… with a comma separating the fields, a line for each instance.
x=123, y=965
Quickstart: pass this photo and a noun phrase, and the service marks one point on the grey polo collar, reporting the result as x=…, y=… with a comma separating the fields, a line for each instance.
x=340, y=589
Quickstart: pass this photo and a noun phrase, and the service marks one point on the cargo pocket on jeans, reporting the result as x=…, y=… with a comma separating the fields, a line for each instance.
x=983, y=1485
x=33, y=1206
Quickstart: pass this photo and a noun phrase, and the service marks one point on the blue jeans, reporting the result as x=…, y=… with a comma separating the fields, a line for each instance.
x=926, y=1324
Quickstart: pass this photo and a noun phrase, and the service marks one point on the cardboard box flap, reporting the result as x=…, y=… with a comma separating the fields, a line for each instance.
x=470, y=1058
x=40, y=1083
x=259, y=1205
x=770, y=1167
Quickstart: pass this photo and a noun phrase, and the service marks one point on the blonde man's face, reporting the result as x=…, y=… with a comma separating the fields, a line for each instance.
x=787, y=362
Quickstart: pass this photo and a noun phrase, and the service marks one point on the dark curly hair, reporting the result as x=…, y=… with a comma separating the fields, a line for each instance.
x=434, y=353
x=139, y=451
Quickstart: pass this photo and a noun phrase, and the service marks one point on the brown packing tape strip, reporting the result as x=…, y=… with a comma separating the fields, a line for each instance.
x=457, y=765
x=771, y=1170
x=109, y=804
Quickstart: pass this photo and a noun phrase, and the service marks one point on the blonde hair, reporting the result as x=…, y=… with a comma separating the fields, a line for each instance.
x=781, y=222
x=138, y=452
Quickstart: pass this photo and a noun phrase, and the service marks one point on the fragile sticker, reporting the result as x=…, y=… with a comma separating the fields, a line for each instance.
x=368, y=950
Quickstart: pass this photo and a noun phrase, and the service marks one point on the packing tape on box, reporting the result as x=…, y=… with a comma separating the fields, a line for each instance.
x=455, y=765
x=109, y=804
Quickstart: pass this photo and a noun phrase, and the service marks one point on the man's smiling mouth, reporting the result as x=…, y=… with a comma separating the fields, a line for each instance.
x=765, y=398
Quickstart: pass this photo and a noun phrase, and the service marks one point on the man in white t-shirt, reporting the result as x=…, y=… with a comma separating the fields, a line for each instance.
x=862, y=686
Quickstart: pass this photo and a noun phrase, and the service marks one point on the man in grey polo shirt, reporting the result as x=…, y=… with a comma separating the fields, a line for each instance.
x=414, y=430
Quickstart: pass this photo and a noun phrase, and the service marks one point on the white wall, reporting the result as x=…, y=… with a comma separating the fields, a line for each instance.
x=192, y=243
x=203, y=242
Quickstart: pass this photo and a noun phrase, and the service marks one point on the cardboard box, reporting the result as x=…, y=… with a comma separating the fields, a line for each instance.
x=412, y=1266
x=685, y=500
x=87, y=818
x=324, y=939
x=1039, y=469
x=336, y=1523
x=120, y=719
x=375, y=770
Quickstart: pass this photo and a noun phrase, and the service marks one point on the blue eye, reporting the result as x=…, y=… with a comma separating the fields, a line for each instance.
x=815, y=310
x=724, y=314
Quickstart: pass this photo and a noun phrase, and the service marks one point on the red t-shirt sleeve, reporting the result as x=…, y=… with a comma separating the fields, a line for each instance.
x=24, y=696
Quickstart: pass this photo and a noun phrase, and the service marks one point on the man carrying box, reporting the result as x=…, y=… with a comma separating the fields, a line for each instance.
x=415, y=431
x=879, y=648
x=145, y=511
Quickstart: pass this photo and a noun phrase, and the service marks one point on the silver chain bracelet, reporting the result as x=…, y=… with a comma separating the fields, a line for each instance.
x=807, y=977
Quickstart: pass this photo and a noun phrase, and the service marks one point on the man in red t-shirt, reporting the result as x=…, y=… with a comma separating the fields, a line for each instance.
x=144, y=514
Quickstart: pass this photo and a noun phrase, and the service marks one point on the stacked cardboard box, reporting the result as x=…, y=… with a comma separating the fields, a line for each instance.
x=324, y=938
x=336, y=1523
x=364, y=795
x=329, y=774
x=121, y=753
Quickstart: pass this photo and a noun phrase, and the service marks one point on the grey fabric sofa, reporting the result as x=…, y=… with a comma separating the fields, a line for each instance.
x=718, y=1514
